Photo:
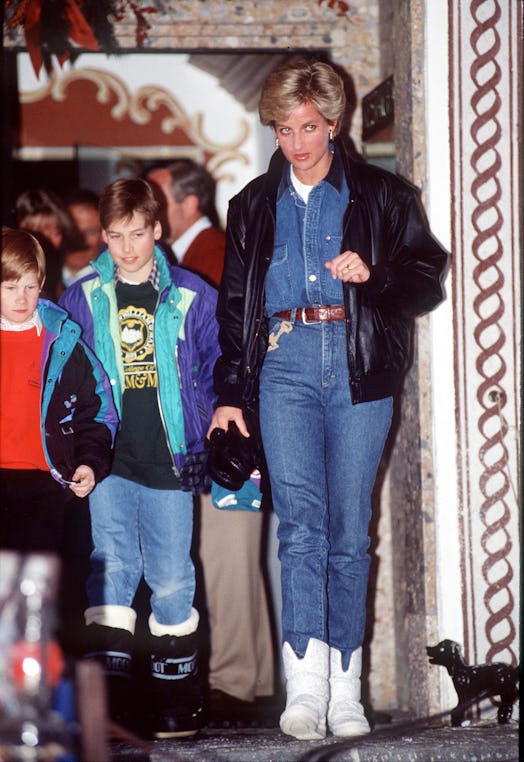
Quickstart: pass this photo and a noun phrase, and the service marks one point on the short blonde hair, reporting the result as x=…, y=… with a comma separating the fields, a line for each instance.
x=21, y=254
x=298, y=81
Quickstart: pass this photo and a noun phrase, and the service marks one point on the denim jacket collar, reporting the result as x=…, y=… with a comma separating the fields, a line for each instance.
x=334, y=177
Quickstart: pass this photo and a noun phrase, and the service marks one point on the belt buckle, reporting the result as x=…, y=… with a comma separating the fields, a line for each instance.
x=306, y=321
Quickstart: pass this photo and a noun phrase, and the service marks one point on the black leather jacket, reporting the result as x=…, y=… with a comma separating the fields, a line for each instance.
x=385, y=224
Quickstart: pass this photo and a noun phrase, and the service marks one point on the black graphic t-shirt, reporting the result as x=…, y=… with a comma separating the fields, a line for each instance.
x=141, y=451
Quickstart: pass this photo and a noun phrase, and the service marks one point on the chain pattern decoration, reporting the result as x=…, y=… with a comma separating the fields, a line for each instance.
x=487, y=220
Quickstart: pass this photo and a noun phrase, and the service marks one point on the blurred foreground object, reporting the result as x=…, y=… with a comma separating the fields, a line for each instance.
x=31, y=662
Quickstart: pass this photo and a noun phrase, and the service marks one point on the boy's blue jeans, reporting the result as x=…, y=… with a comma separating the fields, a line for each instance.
x=142, y=531
x=322, y=453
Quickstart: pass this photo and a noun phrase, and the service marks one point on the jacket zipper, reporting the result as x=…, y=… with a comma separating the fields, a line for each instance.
x=170, y=450
x=354, y=387
x=352, y=202
x=261, y=306
x=46, y=365
x=255, y=338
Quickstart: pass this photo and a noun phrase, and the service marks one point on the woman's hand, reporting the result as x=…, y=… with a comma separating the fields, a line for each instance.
x=349, y=267
x=223, y=415
x=84, y=479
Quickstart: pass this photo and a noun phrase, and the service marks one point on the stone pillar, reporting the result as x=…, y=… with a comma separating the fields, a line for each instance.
x=411, y=467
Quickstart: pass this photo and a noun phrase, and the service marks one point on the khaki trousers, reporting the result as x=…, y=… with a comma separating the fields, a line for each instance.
x=241, y=659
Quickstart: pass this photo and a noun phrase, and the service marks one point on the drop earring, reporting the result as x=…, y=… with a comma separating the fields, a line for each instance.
x=277, y=144
x=331, y=143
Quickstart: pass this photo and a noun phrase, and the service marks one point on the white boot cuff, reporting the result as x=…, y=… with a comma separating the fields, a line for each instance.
x=122, y=617
x=178, y=630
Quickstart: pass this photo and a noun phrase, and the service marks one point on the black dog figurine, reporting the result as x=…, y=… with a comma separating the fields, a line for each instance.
x=483, y=680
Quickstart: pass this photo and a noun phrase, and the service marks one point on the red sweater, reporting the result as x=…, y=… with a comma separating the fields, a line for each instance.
x=20, y=436
x=205, y=256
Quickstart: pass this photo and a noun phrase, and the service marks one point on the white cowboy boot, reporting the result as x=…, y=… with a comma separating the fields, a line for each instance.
x=307, y=689
x=345, y=714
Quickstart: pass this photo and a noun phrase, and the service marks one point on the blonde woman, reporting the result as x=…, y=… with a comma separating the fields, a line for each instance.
x=328, y=260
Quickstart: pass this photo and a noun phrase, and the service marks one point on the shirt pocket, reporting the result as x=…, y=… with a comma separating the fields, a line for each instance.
x=332, y=292
x=278, y=282
x=331, y=246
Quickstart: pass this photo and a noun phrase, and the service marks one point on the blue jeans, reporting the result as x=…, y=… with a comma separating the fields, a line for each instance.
x=323, y=453
x=142, y=531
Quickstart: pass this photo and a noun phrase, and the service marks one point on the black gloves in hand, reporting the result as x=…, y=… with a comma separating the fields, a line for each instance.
x=230, y=457
x=193, y=475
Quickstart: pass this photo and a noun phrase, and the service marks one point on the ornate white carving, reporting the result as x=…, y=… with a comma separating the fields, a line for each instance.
x=139, y=106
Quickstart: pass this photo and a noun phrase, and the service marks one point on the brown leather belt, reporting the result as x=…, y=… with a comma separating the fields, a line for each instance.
x=314, y=314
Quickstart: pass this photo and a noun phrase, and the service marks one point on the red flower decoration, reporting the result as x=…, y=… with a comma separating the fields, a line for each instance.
x=61, y=27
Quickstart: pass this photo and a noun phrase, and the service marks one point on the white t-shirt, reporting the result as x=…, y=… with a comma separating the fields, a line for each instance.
x=302, y=190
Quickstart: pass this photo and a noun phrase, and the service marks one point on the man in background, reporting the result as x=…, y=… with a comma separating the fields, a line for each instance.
x=241, y=664
x=83, y=208
x=193, y=230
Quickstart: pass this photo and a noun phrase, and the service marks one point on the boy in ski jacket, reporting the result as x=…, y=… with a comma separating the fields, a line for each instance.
x=58, y=419
x=56, y=429
x=153, y=328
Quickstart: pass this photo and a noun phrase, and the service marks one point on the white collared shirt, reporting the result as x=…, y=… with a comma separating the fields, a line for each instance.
x=33, y=322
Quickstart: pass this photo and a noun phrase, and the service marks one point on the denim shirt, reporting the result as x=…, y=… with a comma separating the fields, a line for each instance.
x=307, y=236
